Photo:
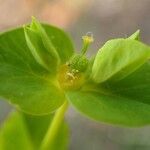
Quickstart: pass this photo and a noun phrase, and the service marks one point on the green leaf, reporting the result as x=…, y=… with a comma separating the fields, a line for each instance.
x=136, y=86
x=23, y=81
x=125, y=102
x=14, y=134
x=37, y=127
x=42, y=55
x=41, y=46
x=61, y=41
x=119, y=58
x=25, y=132
x=135, y=36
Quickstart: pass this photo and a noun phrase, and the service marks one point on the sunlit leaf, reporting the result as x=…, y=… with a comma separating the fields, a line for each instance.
x=14, y=134
x=135, y=36
x=126, y=102
x=25, y=132
x=23, y=81
x=118, y=58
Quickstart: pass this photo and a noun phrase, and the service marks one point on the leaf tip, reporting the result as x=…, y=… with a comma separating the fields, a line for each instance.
x=135, y=36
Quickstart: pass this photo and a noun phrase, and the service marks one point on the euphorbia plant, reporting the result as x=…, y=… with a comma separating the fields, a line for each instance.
x=41, y=74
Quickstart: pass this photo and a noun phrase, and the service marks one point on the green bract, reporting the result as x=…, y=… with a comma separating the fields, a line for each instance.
x=39, y=71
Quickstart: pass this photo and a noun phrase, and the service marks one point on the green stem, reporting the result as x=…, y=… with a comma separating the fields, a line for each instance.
x=54, y=127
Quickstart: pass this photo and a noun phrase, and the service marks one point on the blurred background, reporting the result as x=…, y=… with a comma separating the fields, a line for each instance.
x=106, y=19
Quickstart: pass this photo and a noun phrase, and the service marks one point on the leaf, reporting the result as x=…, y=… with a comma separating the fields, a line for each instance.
x=25, y=132
x=37, y=127
x=135, y=36
x=23, y=81
x=126, y=102
x=41, y=54
x=136, y=86
x=61, y=41
x=14, y=134
x=41, y=46
x=118, y=58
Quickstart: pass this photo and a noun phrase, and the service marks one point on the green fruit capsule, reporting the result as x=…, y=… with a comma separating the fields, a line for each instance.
x=79, y=63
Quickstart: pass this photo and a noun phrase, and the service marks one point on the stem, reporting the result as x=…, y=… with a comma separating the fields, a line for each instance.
x=54, y=127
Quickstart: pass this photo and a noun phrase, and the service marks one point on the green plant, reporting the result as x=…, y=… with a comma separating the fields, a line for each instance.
x=40, y=74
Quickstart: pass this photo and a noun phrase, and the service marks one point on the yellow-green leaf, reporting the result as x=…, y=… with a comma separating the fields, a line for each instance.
x=23, y=81
x=135, y=36
x=118, y=58
x=125, y=102
x=24, y=132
